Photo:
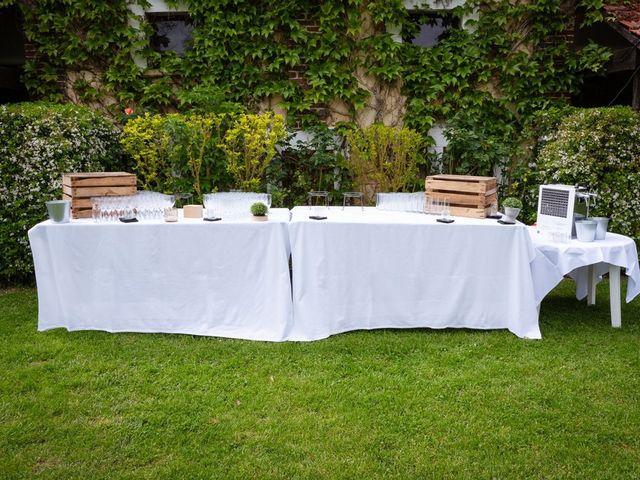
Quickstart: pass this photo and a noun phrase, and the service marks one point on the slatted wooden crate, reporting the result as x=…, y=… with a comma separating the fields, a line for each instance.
x=80, y=187
x=468, y=196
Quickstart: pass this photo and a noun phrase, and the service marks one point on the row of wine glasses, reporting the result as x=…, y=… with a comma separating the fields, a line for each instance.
x=401, y=202
x=143, y=205
x=110, y=209
x=233, y=205
x=147, y=205
x=437, y=206
x=151, y=205
x=414, y=202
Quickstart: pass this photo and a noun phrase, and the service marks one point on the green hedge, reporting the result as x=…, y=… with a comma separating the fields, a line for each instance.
x=172, y=153
x=599, y=148
x=177, y=152
x=38, y=143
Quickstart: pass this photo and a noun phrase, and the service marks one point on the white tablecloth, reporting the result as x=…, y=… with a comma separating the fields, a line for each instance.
x=376, y=269
x=573, y=257
x=228, y=279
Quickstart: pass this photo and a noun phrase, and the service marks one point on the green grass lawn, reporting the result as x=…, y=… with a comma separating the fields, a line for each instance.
x=381, y=404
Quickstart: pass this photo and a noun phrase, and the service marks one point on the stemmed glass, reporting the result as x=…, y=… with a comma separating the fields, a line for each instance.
x=96, y=210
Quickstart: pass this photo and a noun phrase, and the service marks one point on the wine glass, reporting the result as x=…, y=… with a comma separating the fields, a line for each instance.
x=445, y=209
x=95, y=209
x=428, y=205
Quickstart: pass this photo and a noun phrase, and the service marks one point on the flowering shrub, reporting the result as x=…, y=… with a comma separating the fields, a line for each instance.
x=599, y=148
x=38, y=143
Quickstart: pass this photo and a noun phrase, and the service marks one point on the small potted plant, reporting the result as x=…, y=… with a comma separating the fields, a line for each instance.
x=512, y=207
x=259, y=211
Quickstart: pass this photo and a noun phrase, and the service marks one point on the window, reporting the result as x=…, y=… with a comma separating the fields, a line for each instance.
x=429, y=28
x=172, y=31
x=12, y=56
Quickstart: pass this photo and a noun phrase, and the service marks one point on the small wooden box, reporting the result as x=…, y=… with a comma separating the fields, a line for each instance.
x=468, y=196
x=80, y=187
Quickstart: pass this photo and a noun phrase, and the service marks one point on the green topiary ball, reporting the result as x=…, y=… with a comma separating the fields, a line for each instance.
x=512, y=202
x=259, y=209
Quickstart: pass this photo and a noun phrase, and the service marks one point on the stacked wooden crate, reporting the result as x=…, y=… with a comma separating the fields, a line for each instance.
x=80, y=187
x=468, y=196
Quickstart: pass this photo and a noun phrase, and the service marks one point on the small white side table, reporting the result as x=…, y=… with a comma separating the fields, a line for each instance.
x=614, y=291
x=586, y=262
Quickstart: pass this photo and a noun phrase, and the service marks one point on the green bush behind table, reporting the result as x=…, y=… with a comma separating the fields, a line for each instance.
x=38, y=143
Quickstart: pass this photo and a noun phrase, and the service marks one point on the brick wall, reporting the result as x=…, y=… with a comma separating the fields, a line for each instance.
x=29, y=51
x=568, y=35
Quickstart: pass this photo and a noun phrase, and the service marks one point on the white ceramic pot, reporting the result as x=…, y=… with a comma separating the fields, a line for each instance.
x=602, y=224
x=586, y=230
x=511, y=213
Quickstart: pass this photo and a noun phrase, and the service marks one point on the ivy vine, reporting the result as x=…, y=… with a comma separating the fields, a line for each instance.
x=500, y=68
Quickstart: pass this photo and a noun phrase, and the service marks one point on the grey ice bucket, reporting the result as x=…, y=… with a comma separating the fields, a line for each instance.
x=59, y=210
x=586, y=230
x=602, y=224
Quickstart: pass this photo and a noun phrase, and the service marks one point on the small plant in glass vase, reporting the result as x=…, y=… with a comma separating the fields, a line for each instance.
x=259, y=211
x=512, y=207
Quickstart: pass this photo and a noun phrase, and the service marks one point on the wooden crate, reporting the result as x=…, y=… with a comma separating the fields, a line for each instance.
x=468, y=196
x=80, y=187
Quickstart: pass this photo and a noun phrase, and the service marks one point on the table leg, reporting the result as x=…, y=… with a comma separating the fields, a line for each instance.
x=591, y=285
x=614, y=295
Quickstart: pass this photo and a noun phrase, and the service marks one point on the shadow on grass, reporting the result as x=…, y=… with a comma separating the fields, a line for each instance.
x=562, y=313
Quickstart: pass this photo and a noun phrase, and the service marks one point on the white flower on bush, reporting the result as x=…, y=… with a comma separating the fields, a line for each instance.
x=38, y=143
x=599, y=148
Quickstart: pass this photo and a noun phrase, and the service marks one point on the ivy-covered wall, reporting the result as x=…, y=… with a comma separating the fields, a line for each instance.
x=497, y=70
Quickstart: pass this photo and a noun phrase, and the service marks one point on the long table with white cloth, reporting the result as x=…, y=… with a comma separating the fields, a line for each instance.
x=227, y=279
x=357, y=269
x=367, y=269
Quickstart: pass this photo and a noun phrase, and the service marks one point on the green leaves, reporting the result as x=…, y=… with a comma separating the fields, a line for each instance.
x=38, y=143
x=501, y=68
x=384, y=159
x=597, y=147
